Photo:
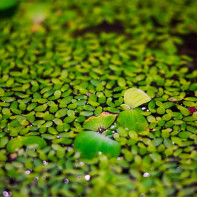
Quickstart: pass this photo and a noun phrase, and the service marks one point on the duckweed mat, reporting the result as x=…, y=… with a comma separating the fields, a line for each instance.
x=62, y=62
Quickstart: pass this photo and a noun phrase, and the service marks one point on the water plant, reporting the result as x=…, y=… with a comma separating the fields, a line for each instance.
x=91, y=143
x=131, y=118
x=63, y=62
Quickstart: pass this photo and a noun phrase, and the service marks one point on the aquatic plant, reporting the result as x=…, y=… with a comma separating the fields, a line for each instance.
x=90, y=143
x=131, y=118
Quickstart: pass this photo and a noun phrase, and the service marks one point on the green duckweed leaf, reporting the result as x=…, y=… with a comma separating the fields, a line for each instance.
x=134, y=97
x=103, y=121
x=90, y=144
x=132, y=120
x=14, y=144
x=34, y=140
x=38, y=12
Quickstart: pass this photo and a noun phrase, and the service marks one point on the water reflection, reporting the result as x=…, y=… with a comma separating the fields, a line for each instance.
x=146, y=174
x=7, y=193
x=45, y=162
x=66, y=181
x=87, y=177
x=27, y=172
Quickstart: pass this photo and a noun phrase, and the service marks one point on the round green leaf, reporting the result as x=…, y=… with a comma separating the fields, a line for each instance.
x=132, y=120
x=90, y=144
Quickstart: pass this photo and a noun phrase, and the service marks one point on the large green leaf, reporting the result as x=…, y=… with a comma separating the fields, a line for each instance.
x=90, y=143
x=103, y=121
x=132, y=120
x=134, y=97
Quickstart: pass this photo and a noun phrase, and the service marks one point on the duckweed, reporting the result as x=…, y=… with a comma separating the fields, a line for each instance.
x=64, y=62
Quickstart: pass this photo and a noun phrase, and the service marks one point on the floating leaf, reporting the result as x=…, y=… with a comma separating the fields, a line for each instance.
x=103, y=121
x=90, y=143
x=125, y=107
x=18, y=142
x=14, y=144
x=38, y=12
x=132, y=120
x=34, y=140
x=134, y=97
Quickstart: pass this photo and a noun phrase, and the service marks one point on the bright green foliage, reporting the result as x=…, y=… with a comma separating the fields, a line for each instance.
x=134, y=97
x=37, y=12
x=16, y=143
x=4, y=4
x=62, y=62
x=132, y=120
x=103, y=121
x=90, y=144
x=34, y=140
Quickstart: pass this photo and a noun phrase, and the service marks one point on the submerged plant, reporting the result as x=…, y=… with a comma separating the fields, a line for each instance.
x=131, y=118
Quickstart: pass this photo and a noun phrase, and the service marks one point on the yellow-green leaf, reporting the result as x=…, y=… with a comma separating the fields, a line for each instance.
x=134, y=97
x=103, y=121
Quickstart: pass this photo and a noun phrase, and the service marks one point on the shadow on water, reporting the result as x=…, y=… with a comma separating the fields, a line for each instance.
x=116, y=27
x=189, y=48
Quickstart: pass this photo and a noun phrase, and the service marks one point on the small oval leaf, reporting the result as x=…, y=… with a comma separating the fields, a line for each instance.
x=34, y=140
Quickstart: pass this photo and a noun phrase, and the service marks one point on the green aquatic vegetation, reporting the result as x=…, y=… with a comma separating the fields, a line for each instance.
x=100, y=122
x=134, y=97
x=16, y=143
x=90, y=144
x=5, y=4
x=63, y=62
x=131, y=118
x=37, y=12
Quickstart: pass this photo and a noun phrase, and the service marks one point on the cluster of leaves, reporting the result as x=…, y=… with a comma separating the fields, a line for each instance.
x=56, y=71
x=91, y=144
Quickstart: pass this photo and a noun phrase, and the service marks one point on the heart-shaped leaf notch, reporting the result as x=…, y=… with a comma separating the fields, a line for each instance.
x=133, y=98
x=99, y=123
x=90, y=143
x=131, y=118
